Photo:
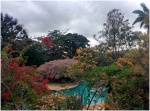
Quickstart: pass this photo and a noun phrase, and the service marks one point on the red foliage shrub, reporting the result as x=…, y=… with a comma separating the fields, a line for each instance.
x=46, y=41
x=10, y=49
x=6, y=95
x=15, y=60
x=11, y=64
x=16, y=79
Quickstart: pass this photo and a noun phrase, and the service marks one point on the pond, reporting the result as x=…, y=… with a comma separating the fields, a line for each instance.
x=82, y=90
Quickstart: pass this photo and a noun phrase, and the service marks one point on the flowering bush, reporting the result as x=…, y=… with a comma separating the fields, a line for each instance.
x=10, y=49
x=56, y=69
x=6, y=95
x=46, y=42
x=86, y=62
x=132, y=77
x=59, y=102
x=19, y=85
x=108, y=52
x=123, y=61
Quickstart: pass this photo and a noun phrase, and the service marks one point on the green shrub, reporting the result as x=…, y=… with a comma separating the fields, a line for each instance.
x=32, y=55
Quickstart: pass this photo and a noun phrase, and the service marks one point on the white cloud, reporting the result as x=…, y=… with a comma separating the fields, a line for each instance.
x=82, y=17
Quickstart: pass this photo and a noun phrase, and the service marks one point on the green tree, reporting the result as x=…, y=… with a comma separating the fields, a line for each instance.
x=70, y=42
x=133, y=78
x=55, y=34
x=63, y=44
x=32, y=54
x=143, y=17
x=117, y=32
x=18, y=45
x=103, y=59
x=11, y=30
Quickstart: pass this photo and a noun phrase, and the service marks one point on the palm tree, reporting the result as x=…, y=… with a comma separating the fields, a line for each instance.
x=143, y=17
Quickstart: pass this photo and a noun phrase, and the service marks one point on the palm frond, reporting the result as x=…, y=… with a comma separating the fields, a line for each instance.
x=141, y=24
x=138, y=12
x=145, y=9
x=139, y=19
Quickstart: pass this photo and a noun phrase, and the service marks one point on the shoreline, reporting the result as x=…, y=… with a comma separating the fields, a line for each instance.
x=61, y=86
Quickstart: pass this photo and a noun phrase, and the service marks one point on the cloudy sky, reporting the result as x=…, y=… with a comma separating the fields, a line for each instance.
x=82, y=17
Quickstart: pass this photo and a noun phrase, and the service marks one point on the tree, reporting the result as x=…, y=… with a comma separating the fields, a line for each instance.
x=70, y=42
x=18, y=45
x=103, y=58
x=143, y=17
x=32, y=55
x=132, y=77
x=117, y=32
x=63, y=44
x=11, y=30
x=56, y=34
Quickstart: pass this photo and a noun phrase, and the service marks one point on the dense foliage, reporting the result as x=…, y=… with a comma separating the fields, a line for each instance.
x=133, y=79
x=70, y=42
x=115, y=64
x=20, y=89
x=117, y=33
x=11, y=30
x=61, y=44
x=32, y=55
x=86, y=63
x=59, y=102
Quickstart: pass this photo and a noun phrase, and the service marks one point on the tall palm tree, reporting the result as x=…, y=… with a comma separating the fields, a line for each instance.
x=143, y=16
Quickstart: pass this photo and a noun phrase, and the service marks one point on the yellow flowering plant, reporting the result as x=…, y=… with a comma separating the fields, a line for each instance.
x=86, y=62
x=59, y=102
x=123, y=62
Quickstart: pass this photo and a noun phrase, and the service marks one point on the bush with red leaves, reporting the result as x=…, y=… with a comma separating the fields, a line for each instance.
x=6, y=95
x=20, y=82
x=46, y=42
x=10, y=49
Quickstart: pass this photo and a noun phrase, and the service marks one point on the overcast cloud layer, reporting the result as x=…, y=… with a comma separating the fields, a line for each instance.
x=82, y=17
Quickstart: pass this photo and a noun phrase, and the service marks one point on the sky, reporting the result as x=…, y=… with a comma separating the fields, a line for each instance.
x=81, y=17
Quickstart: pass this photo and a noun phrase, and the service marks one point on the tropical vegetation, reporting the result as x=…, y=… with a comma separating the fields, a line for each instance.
x=120, y=64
